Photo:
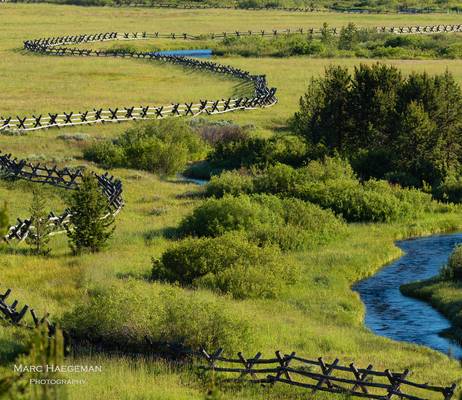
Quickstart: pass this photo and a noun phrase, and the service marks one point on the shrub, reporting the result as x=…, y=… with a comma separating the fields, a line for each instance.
x=450, y=189
x=229, y=182
x=228, y=264
x=258, y=152
x=453, y=269
x=106, y=153
x=158, y=313
x=217, y=216
x=158, y=146
x=291, y=224
x=278, y=179
x=305, y=225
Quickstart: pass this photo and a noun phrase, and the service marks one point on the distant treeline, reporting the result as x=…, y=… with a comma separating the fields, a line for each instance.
x=373, y=6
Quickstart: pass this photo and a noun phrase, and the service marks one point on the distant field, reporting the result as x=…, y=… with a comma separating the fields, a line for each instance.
x=38, y=84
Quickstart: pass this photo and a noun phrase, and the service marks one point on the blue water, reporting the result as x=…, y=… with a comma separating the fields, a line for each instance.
x=205, y=53
x=390, y=314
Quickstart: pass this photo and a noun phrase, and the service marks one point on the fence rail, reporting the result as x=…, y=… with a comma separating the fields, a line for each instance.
x=65, y=178
x=262, y=96
x=16, y=316
x=320, y=375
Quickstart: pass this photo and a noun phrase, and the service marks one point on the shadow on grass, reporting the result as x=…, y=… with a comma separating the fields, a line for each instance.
x=171, y=233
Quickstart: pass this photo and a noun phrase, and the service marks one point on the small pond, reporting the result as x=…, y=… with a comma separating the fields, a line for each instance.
x=390, y=314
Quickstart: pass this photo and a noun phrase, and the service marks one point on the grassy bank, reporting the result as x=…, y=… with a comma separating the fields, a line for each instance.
x=445, y=296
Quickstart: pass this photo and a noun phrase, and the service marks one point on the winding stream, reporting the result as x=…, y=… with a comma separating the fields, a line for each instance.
x=390, y=314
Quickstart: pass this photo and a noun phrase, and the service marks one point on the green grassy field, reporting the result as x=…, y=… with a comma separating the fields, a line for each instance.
x=320, y=315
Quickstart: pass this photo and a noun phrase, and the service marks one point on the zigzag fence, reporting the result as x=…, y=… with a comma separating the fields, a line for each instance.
x=263, y=95
x=63, y=178
x=319, y=375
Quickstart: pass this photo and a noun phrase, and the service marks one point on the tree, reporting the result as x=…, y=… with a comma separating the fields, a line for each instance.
x=91, y=221
x=324, y=116
x=348, y=37
x=4, y=220
x=415, y=145
x=39, y=233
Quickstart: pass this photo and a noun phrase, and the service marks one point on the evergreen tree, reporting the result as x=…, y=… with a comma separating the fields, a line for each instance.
x=415, y=146
x=39, y=234
x=91, y=219
x=4, y=220
x=348, y=37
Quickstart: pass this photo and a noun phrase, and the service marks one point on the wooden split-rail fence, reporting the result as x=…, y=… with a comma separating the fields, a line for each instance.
x=16, y=315
x=321, y=375
x=65, y=178
x=262, y=94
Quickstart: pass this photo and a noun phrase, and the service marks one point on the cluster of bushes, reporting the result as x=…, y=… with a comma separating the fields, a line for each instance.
x=130, y=314
x=331, y=184
x=233, y=148
x=289, y=223
x=164, y=147
x=453, y=269
x=234, y=244
x=407, y=130
x=351, y=42
x=228, y=264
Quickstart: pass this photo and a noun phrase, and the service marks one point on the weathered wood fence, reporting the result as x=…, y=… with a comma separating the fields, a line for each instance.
x=16, y=316
x=263, y=96
x=65, y=178
x=320, y=375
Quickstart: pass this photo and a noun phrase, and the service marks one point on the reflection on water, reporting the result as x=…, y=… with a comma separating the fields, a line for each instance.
x=390, y=314
x=197, y=53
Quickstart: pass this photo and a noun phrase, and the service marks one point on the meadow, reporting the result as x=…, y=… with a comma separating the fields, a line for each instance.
x=319, y=315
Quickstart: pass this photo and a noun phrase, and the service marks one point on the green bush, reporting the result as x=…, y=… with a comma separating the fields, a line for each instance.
x=305, y=225
x=279, y=179
x=125, y=314
x=450, y=189
x=453, y=269
x=291, y=224
x=228, y=264
x=162, y=146
x=217, y=216
x=229, y=182
x=245, y=151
